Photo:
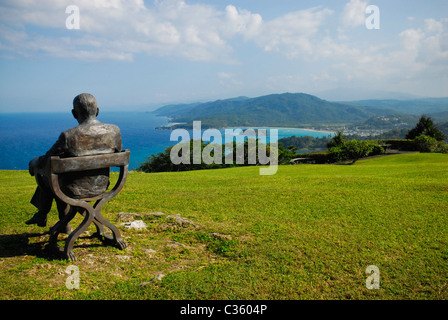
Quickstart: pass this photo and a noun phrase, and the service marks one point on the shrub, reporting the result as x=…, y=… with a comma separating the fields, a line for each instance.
x=425, y=143
x=443, y=148
x=377, y=150
x=354, y=150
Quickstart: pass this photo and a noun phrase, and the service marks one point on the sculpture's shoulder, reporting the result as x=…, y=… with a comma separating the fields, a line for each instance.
x=106, y=126
x=94, y=128
x=93, y=137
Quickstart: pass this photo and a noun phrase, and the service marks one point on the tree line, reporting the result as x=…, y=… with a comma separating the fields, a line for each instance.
x=162, y=161
x=424, y=137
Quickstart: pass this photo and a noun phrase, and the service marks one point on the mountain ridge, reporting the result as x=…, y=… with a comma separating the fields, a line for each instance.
x=290, y=109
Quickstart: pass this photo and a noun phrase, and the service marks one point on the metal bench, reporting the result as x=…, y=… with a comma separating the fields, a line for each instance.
x=92, y=213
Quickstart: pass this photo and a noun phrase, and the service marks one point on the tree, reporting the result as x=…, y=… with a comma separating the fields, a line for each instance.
x=425, y=126
x=285, y=155
x=337, y=141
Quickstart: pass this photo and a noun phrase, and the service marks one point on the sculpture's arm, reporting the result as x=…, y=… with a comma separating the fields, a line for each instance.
x=58, y=149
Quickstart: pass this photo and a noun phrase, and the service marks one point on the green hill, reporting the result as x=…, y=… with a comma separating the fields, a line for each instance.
x=298, y=109
x=287, y=109
x=308, y=232
x=293, y=109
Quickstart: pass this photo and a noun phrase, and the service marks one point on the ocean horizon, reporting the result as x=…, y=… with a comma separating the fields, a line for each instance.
x=24, y=136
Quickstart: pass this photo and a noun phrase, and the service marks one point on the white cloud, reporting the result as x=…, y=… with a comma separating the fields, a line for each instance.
x=354, y=14
x=411, y=39
x=428, y=46
x=412, y=58
x=418, y=57
x=434, y=48
x=293, y=34
x=241, y=22
x=124, y=28
x=432, y=25
x=197, y=32
x=121, y=29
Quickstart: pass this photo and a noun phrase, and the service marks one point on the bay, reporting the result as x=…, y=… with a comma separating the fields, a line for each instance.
x=24, y=136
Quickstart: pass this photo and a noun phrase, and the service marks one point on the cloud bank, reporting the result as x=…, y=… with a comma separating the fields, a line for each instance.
x=122, y=29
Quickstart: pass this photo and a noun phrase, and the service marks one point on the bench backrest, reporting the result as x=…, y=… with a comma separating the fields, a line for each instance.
x=68, y=191
x=85, y=163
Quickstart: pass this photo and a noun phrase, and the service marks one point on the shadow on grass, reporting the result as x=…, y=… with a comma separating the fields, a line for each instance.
x=15, y=245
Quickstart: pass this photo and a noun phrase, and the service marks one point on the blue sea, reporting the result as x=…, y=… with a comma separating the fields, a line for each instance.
x=24, y=136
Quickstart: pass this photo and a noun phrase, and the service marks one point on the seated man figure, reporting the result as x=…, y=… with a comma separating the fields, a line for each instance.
x=90, y=137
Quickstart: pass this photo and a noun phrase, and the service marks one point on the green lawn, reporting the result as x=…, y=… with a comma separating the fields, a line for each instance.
x=308, y=232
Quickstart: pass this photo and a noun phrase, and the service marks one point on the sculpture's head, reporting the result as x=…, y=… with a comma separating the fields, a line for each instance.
x=85, y=107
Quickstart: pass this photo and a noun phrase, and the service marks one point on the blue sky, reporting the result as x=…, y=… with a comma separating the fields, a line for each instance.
x=134, y=54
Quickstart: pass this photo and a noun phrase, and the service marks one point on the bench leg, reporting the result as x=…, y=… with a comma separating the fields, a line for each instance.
x=60, y=226
x=100, y=233
x=68, y=249
x=116, y=233
x=63, y=210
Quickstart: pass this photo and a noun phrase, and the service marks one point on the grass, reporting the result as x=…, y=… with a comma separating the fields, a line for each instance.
x=308, y=232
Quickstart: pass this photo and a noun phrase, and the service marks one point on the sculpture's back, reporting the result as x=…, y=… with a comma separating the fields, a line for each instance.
x=89, y=139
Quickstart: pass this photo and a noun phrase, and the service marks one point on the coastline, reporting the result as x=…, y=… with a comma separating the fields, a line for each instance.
x=172, y=126
x=283, y=128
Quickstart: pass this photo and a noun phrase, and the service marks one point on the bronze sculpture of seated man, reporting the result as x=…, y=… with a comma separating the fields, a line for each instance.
x=90, y=137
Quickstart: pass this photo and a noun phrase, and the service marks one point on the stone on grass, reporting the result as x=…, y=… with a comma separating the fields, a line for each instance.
x=221, y=236
x=136, y=224
x=127, y=216
x=183, y=222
